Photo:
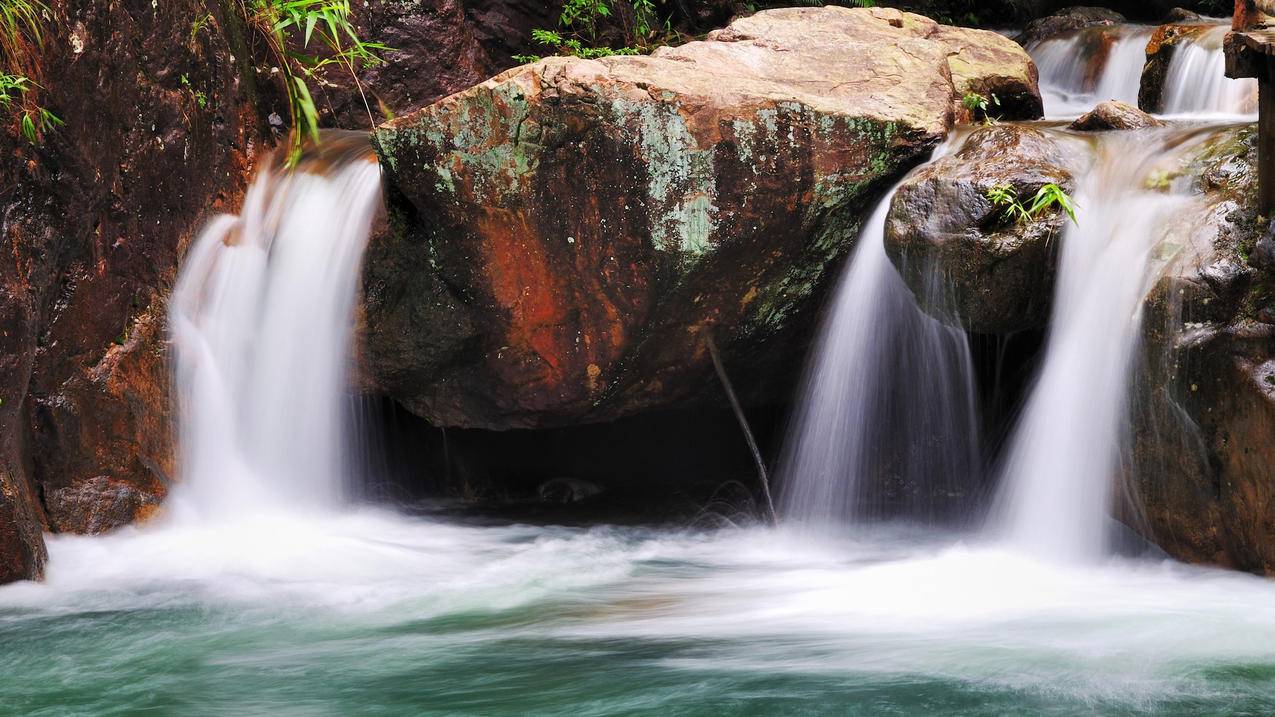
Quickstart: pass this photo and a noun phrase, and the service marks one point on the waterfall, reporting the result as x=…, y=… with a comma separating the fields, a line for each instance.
x=1063, y=462
x=1197, y=83
x=1081, y=68
x=886, y=413
x=261, y=322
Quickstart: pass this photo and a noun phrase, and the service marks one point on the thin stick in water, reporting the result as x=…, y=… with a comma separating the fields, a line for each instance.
x=743, y=424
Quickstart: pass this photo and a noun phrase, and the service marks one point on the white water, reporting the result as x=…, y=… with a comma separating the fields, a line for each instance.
x=261, y=320
x=1062, y=466
x=379, y=613
x=1072, y=81
x=887, y=399
x=1197, y=83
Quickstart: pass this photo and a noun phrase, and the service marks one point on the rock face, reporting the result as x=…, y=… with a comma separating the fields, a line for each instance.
x=999, y=272
x=1204, y=428
x=93, y=222
x=565, y=236
x=1160, y=50
x=438, y=47
x=1114, y=115
x=164, y=106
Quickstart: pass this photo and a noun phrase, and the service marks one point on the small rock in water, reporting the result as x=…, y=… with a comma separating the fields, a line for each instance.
x=567, y=490
x=1114, y=115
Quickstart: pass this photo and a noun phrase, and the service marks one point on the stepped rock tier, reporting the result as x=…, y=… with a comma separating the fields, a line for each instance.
x=564, y=236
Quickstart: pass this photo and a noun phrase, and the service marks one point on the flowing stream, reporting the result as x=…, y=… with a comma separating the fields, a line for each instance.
x=261, y=591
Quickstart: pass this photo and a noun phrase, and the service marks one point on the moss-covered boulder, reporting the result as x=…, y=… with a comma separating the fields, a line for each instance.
x=998, y=270
x=565, y=236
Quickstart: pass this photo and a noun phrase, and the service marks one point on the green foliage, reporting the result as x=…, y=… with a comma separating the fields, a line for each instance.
x=980, y=106
x=21, y=30
x=200, y=98
x=198, y=26
x=1004, y=197
x=583, y=22
x=325, y=24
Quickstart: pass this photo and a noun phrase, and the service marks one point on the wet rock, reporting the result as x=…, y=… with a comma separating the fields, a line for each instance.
x=22, y=551
x=1252, y=13
x=1204, y=419
x=1114, y=115
x=1180, y=15
x=565, y=235
x=567, y=490
x=438, y=47
x=1164, y=43
x=997, y=272
x=1069, y=19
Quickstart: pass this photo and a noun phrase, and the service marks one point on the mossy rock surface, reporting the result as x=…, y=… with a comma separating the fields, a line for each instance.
x=571, y=231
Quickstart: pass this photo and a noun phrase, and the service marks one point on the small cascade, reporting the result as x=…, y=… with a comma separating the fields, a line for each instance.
x=887, y=410
x=261, y=321
x=1062, y=466
x=1081, y=68
x=1197, y=83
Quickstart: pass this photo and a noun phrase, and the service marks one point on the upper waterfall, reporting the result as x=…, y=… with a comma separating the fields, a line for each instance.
x=261, y=322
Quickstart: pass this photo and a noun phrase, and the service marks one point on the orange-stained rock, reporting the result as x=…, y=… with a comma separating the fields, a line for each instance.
x=565, y=235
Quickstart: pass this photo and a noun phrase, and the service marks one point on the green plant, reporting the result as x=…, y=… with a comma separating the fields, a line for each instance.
x=580, y=26
x=21, y=31
x=200, y=98
x=285, y=23
x=1004, y=197
x=978, y=105
x=198, y=26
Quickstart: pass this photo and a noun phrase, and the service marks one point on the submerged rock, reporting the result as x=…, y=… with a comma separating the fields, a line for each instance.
x=1114, y=115
x=996, y=272
x=564, y=237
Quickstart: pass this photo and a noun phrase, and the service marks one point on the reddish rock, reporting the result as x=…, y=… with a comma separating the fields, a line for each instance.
x=1160, y=50
x=567, y=234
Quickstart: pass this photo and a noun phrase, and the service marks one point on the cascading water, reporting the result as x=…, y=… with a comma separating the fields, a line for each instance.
x=1063, y=460
x=1197, y=83
x=1081, y=68
x=364, y=611
x=888, y=401
x=261, y=322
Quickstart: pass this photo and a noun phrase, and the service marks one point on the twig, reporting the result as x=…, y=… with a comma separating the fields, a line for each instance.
x=743, y=424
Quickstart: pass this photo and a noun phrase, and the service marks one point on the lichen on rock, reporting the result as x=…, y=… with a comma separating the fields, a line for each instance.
x=595, y=217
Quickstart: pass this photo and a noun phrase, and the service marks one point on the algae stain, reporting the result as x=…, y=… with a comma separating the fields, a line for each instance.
x=681, y=180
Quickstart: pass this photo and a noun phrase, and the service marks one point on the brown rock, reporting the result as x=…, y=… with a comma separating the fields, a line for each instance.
x=1204, y=425
x=1114, y=115
x=1160, y=50
x=941, y=222
x=1068, y=20
x=567, y=233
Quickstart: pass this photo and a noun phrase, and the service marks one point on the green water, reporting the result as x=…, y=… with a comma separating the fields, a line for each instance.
x=376, y=614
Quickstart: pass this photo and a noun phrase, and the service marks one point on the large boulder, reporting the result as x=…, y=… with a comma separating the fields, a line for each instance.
x=1204, y=424
x=998, y=270
x=564, y=237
